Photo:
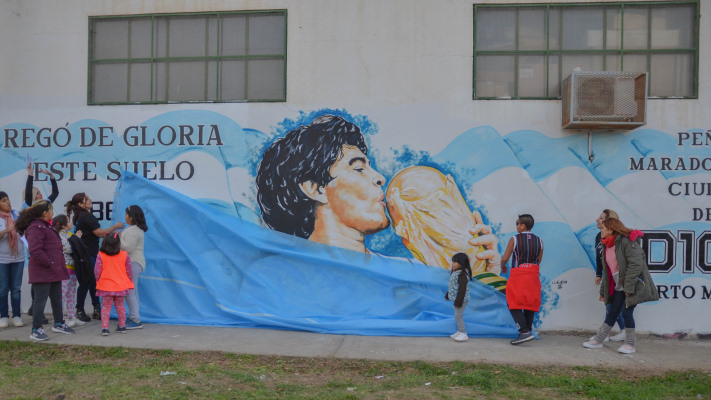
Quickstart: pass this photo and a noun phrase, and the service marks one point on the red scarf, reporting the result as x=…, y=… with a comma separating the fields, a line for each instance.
x=11, y=235
x=609, y=241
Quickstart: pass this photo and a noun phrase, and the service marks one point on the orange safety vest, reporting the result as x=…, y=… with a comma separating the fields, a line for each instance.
x=113, y=273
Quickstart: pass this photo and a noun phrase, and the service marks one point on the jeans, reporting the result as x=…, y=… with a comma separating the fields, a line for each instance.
x=620, y=319
x=11, y=282
x=618, y=306
x=91, y=289
x=132, y=298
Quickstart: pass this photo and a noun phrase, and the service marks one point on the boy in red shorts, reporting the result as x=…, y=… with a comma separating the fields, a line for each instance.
x=523, y=289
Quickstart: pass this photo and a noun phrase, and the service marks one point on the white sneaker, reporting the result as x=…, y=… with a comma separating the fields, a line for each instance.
x=71, y=323
x=592, y=344
x=607, y=339
x=75, y=321
x=3, y=322
x=619, y=337
x=455, y=334
x=461, y=337
x=626, y=349
x=17, y=321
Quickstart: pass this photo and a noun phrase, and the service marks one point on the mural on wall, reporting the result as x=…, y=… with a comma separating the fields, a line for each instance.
x=310, y=246
x=317, y=183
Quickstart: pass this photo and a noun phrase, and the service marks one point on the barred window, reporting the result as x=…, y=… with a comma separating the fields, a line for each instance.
x=525, y=51
x=201, y=57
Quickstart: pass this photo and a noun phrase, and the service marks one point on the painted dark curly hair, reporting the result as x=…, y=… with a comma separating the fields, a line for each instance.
x=304, y=154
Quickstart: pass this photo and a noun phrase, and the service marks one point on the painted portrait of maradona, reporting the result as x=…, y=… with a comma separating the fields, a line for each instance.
x=317, y=182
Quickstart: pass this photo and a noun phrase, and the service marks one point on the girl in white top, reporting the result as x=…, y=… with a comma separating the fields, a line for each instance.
x=132, y=243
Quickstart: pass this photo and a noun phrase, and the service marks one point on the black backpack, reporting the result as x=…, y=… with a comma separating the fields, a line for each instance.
x=82, y=261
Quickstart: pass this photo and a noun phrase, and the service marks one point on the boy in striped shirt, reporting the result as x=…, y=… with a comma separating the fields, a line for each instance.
x=523, y=289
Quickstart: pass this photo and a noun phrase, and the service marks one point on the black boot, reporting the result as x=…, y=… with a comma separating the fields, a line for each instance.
x=81, y=316
x=97, y=313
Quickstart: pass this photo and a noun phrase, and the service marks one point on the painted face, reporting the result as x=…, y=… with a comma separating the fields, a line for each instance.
x=86, y=204
x=355, y=194
x=5, y=205
x=600, y=219
x=605, y=232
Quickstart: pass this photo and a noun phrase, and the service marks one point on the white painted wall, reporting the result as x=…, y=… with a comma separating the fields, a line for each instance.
x=365, y=55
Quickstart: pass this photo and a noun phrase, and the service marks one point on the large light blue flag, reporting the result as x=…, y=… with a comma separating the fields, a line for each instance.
x=206, y=267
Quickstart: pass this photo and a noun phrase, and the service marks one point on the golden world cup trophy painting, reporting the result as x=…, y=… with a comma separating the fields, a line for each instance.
x=434, y=221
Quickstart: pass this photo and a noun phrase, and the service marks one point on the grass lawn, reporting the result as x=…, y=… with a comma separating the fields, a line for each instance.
x=48, y=371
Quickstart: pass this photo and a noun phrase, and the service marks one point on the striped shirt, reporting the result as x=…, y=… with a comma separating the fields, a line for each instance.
x=527, y=247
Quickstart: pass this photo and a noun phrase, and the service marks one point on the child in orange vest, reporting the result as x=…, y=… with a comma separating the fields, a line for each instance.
x=113, y=282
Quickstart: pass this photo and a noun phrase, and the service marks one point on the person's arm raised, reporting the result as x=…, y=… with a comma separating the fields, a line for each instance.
x=28, y=185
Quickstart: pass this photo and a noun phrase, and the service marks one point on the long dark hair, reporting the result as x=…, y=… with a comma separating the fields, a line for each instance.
x=73, y=207
x=111, y=245
x=30, y=214
x=463, y=260
x=137, y=217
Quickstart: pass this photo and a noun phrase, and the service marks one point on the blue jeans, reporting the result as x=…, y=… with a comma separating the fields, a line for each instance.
x=11, y=282
x=132, y=297
x=620, y=319
x=618, y=307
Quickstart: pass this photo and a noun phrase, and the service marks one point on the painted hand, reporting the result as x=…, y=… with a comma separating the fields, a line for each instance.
x=482, y=236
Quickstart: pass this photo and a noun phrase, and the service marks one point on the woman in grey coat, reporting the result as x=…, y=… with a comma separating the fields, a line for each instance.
x=626, y=281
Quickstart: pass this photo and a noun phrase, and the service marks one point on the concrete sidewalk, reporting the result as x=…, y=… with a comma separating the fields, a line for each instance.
x=553, y=348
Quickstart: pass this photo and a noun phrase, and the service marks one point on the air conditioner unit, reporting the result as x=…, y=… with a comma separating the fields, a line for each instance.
x=604, y=100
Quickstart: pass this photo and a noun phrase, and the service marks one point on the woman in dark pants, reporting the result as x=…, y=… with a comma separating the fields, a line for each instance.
x=30, y=195
x=599, y=253
x=626, y=281
x=79, y=208
x=46, y=266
